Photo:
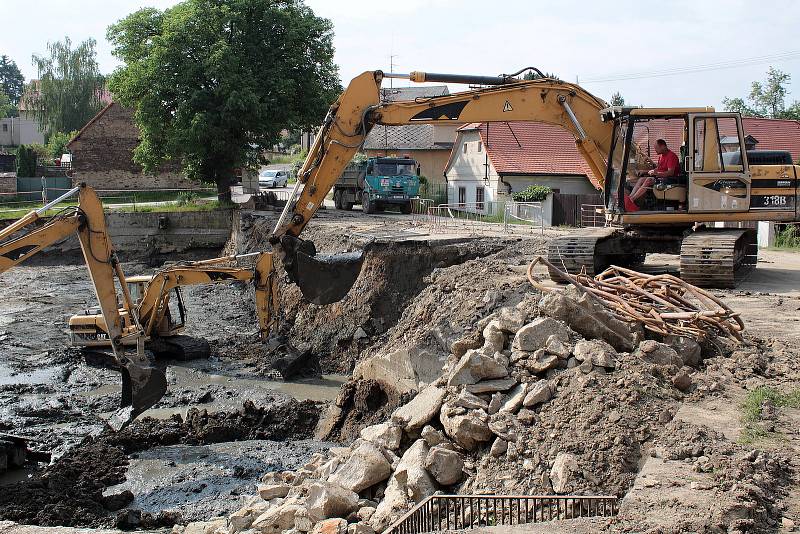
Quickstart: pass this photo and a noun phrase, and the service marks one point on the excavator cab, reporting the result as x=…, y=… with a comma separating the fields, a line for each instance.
x=706, y=181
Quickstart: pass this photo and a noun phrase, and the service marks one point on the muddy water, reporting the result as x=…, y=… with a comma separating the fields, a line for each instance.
x=208, y=480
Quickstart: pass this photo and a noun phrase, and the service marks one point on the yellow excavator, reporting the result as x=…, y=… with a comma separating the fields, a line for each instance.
x=151, y=314
x=715, y=184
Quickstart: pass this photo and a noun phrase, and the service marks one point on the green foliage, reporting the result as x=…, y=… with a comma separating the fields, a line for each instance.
x=12, y=83
x=297, y=162
x=213, y=82
x=753, y=409
x=70, y=85
x=766, y=99
x=187, y=197
x=532, y=193
x=423, y=180
x=6, y=107
x=789, y=237
x=617, y=99
x=26, y=162
x=57, y=143
x=532, y=75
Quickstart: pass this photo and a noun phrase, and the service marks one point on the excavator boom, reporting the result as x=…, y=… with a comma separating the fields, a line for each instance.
x=326, y=279
x=142, y=384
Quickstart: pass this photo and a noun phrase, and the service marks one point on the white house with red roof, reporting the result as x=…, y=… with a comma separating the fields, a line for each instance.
x=490, y=161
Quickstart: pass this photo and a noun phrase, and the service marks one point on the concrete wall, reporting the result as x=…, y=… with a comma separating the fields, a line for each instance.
x=138, y=234
x=19, y=131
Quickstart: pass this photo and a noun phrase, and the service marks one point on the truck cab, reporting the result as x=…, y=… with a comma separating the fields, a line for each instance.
x=377, y=183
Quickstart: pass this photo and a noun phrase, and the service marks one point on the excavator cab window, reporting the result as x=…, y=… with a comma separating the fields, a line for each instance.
x=175, y=309
x=615, y=174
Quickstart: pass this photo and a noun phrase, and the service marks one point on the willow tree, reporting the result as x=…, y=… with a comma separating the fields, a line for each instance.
x=213, y=82
x=70, y=87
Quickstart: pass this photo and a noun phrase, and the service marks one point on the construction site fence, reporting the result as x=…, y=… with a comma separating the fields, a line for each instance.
x=109, y=197
x=593, y=216
x=440, y=513
x=478, y=217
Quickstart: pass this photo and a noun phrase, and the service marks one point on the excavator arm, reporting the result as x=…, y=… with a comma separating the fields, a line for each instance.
x=142, y=384
x=153, y=305
x=322, y=279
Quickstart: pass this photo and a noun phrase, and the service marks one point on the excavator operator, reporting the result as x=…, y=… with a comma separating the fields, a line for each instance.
x=667, y=166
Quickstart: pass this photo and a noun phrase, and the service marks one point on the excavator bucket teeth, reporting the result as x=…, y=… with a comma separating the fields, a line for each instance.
x=142, y=387
x=325, y=279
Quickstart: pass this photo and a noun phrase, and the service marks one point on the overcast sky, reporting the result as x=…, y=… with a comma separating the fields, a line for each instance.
x=626, y=41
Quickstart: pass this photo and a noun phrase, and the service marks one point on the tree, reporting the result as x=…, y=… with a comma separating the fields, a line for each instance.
x=12, y=82
x=213, y=82
x=57, y=143
x=68, y=92
x=767, y=99
x=617, y=99
x=7, y=109
x=533, y=75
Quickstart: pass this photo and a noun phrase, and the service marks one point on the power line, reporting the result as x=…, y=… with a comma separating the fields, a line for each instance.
x=720, y=65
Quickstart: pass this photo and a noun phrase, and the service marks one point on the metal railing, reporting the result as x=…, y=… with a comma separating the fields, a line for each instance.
x=109, y=197
x=593, y=216
x=486, y=217
x=455, y=512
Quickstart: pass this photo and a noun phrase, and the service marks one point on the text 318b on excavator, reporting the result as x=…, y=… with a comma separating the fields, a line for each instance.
x=715, y=182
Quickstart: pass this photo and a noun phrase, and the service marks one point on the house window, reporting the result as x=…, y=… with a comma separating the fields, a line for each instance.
x=480, y=146
x=462, y=195
x=5, y=127
x=479, y=198
x=465, y=147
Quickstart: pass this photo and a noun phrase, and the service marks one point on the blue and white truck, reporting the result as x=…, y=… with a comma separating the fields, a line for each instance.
x=377, y=183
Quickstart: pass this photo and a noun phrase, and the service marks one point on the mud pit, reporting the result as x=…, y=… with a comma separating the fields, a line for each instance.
x=410, y=296
x=58, y=398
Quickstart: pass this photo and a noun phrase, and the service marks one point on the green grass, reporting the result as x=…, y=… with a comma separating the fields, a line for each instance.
x=753, y=408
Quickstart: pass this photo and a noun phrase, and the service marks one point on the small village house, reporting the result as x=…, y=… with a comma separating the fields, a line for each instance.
x=102, y=155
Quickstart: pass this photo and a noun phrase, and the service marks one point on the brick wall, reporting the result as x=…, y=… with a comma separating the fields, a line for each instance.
x=102, y=155
x=8, y=184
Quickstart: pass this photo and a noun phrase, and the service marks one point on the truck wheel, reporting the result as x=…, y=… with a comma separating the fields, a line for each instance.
x=347, y=206
x=337, y=199
x=405, y=209
x=366, y=204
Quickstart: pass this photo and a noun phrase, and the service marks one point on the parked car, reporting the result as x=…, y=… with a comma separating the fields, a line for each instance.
x=271, y=178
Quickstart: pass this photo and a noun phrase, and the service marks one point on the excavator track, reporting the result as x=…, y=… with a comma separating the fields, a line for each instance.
x=183, y=348
x=718, y=257
x=578, y=251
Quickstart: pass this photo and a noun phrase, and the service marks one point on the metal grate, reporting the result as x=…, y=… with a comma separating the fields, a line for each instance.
x=455, y=512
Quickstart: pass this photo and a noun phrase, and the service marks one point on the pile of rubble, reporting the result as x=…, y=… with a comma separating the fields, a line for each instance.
x=498, y=398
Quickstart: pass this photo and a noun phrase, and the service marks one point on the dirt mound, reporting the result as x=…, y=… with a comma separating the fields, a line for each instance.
x=284, y=420
x=604, y=420
x=69, y=492
x=362, y=403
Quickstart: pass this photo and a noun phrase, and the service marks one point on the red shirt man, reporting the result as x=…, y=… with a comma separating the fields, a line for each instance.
x=668, y=165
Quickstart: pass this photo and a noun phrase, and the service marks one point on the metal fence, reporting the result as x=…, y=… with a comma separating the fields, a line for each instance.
x=456, y=512
x=29, y=200
x=485, y=217
x=593, y=216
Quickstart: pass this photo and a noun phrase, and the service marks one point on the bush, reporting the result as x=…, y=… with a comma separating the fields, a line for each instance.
x=789, y=237
x=26, y=162
x=533, y=193
x=57, y=143
x=187, y=197
x=297, y=162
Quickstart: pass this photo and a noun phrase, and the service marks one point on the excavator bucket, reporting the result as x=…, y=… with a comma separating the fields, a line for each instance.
x=325, y=279
x=142, y=387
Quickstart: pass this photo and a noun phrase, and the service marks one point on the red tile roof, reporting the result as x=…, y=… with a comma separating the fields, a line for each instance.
x=532, y=148
x=771, y=134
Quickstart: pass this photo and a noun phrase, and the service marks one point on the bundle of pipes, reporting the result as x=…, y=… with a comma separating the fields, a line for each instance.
x=663, y=304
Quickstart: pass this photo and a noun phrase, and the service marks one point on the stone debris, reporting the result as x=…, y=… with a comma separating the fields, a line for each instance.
x=525, y=407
